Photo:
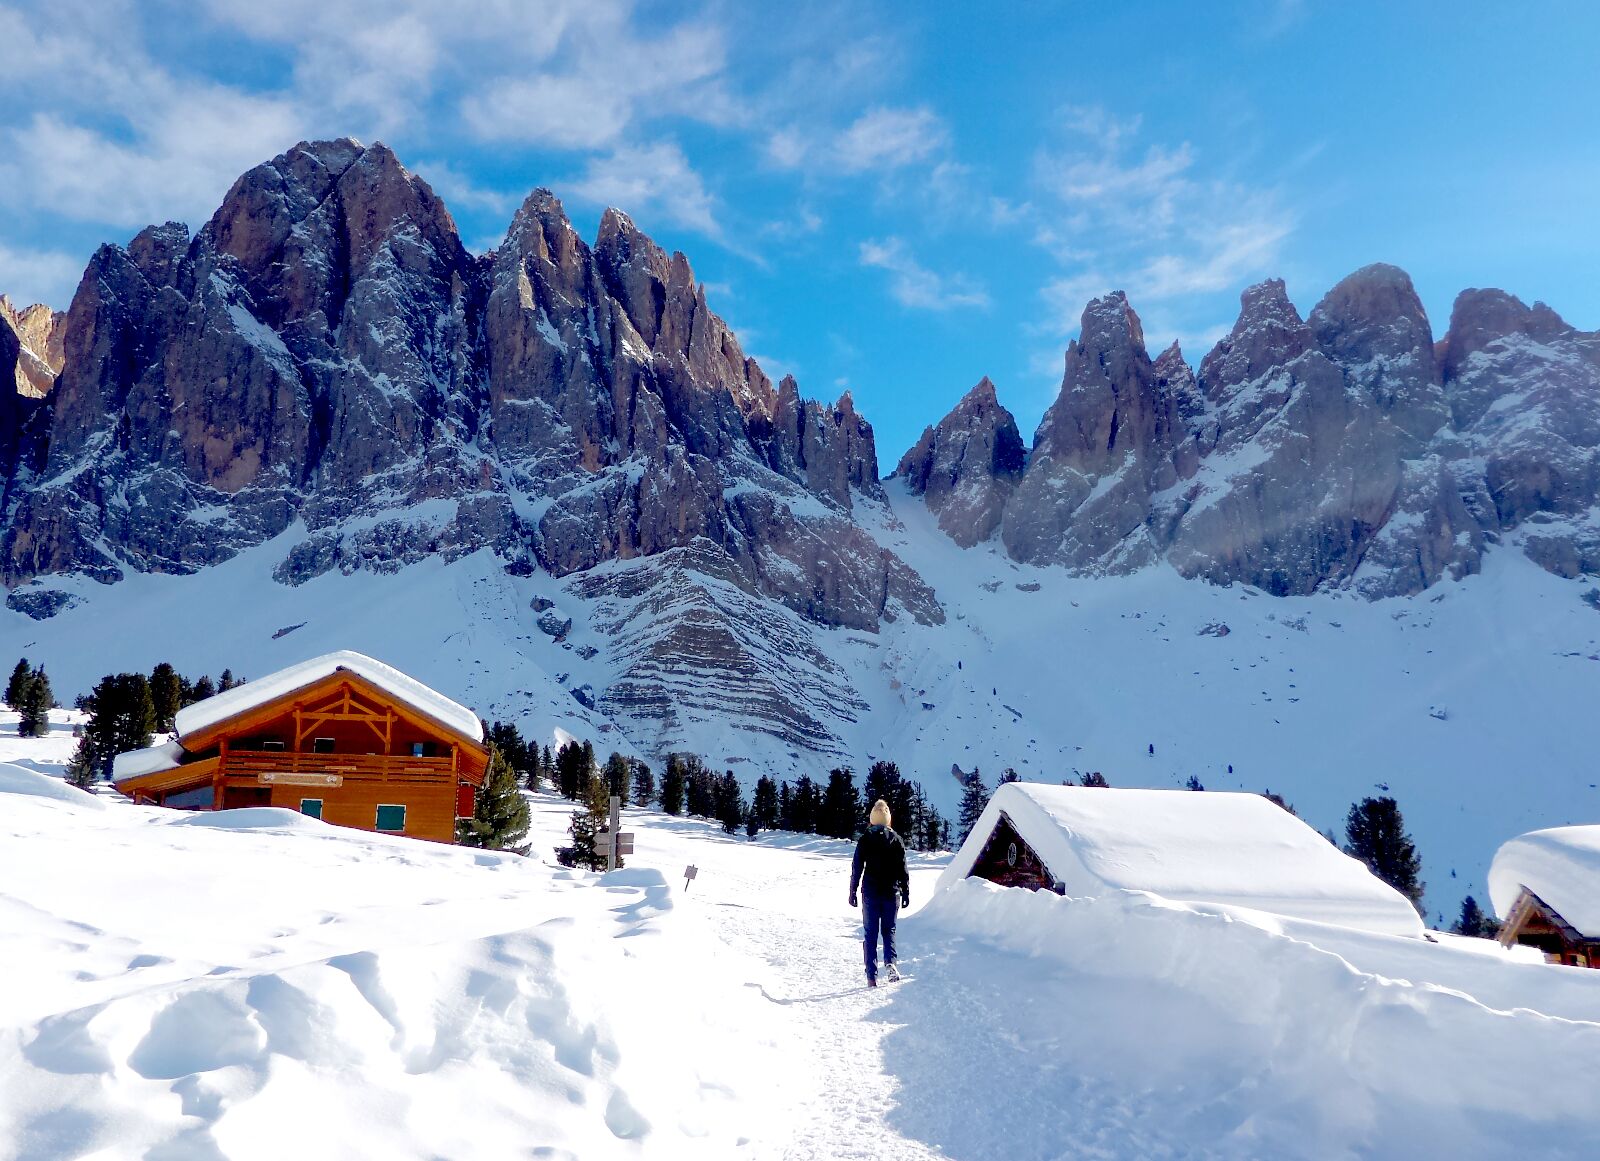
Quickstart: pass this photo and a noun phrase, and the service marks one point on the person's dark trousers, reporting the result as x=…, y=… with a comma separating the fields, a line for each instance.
x=878, y=913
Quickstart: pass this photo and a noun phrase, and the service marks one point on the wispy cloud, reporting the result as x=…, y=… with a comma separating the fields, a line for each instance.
x=31, y=276
x=916, y=287
x=652, y=178
x=881, y=140
x=1147, y=219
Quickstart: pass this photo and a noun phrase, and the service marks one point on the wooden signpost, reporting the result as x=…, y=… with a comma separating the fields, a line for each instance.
x=690, y=873
x=611, y=842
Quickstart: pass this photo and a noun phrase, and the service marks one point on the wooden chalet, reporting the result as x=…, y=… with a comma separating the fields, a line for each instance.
x=1545, y=886
x=1534, y=923
x=1211, y=848
x=342, y=738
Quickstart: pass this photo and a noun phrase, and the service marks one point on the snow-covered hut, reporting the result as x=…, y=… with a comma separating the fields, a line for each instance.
x=340, y=737
x=1238, y=850
x=1545, y=886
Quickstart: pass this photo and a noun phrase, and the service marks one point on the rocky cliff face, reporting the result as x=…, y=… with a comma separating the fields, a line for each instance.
x=325, y=363
x=966, y=468
x=325, y=352
x=1346, y=449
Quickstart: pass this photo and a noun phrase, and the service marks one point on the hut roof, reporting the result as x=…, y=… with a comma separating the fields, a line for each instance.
x=1201, y=847
x=408, y=690
x=1560, y=865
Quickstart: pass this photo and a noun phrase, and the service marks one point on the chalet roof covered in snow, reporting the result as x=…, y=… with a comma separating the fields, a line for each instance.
x=1560, y=865
x=151, y=760
x=242, y=698
x=1199, y=847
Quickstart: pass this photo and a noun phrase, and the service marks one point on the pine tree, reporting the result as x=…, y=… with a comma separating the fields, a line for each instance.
x=122, y=717
x=1009, y=775
x=974, y=799
x=1375, y=833
x=18, y=682
x=1094, y=778
x=81, y=769
x=840, y=815
x=699, y=788
x=573, y=769
x=619, y=777
x=807, y=805
x=33, y=719
x=166, y=694
x=499, y=819
x=1474, y=922
x=728, y=805
x=226, y=681
x=644, y=784
x=672, y=785
x=764, y=804
x=586, y=824
x=202, y=689
x=1193, y=783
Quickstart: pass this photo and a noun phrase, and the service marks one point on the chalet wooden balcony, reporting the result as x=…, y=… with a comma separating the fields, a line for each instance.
x=293, y=767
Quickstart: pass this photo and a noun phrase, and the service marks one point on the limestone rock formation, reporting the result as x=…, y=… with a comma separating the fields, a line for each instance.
x=967, y=466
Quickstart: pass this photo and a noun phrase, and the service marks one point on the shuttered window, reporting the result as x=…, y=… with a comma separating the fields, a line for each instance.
x=391, y=818
x=311, y=807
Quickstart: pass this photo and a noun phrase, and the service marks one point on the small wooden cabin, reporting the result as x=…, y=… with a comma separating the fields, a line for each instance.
x=342, y=738
x=1210, y=848
x=1534, y=923
x=1545, y=886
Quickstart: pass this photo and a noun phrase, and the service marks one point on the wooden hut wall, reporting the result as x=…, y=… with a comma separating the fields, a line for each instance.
x=1008, y=860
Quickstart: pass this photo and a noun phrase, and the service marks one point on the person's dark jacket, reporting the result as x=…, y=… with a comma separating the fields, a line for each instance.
x=880, y=866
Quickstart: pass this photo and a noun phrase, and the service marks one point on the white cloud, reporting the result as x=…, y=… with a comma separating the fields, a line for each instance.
x=888, y=139
x=916, y=287
x=650, y=178
x=881, y=140
x=1147, y=221
x=48, y=276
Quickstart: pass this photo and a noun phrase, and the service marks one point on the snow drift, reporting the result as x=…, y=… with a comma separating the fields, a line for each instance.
x=1213, y=847
x=1561, y=865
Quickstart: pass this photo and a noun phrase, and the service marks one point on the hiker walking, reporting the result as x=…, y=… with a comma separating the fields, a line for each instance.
x=879, y=869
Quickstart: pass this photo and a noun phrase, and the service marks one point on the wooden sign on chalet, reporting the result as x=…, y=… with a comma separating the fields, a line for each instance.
x=342, y=737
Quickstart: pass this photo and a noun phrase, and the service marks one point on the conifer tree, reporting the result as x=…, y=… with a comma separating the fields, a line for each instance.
x=1094, y=778
x=37, y=701
x=81, y=769
x=1375, y=833
x=1193, y=783
x=1474, y=922
x=588, y=822
x=619, y=777
x=202, y=689
x=573, y=768
x=644, y=784
x=840, y=814
x=166, y=694
x=764, y=804
x=807, y=806
x=226, y=681
x=699, y=787
x=728, y=805
x=1009, y=775
x=785, y=806
x=672, y=785
x=18, y=682
x=974, y=799
x=499, y=819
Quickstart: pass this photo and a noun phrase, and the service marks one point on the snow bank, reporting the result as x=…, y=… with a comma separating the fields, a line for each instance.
x=285, y=681
x=1560, y=865
x=1260, y=1045
x=250, y=818
x=151, y=760
x=16, y=780
x=1214, y=847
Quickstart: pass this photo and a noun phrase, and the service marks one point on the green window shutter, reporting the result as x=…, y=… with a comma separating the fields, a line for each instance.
x=311, y=807
x=391, y=818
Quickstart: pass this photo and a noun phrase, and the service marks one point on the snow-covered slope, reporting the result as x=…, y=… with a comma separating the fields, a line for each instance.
x=1465, y=703
x=380, y=997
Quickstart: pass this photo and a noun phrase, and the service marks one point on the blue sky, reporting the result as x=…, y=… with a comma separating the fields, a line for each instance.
x=893, y=199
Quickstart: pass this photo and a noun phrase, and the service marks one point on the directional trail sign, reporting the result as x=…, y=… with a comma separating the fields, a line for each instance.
x=690, y=873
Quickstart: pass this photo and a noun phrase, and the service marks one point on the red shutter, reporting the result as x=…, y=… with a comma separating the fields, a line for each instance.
x=465, y=798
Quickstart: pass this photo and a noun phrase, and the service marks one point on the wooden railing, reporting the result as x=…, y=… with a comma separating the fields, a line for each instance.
x=381, y=766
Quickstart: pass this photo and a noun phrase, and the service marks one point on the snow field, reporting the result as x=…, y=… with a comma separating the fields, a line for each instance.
x=258, y=984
